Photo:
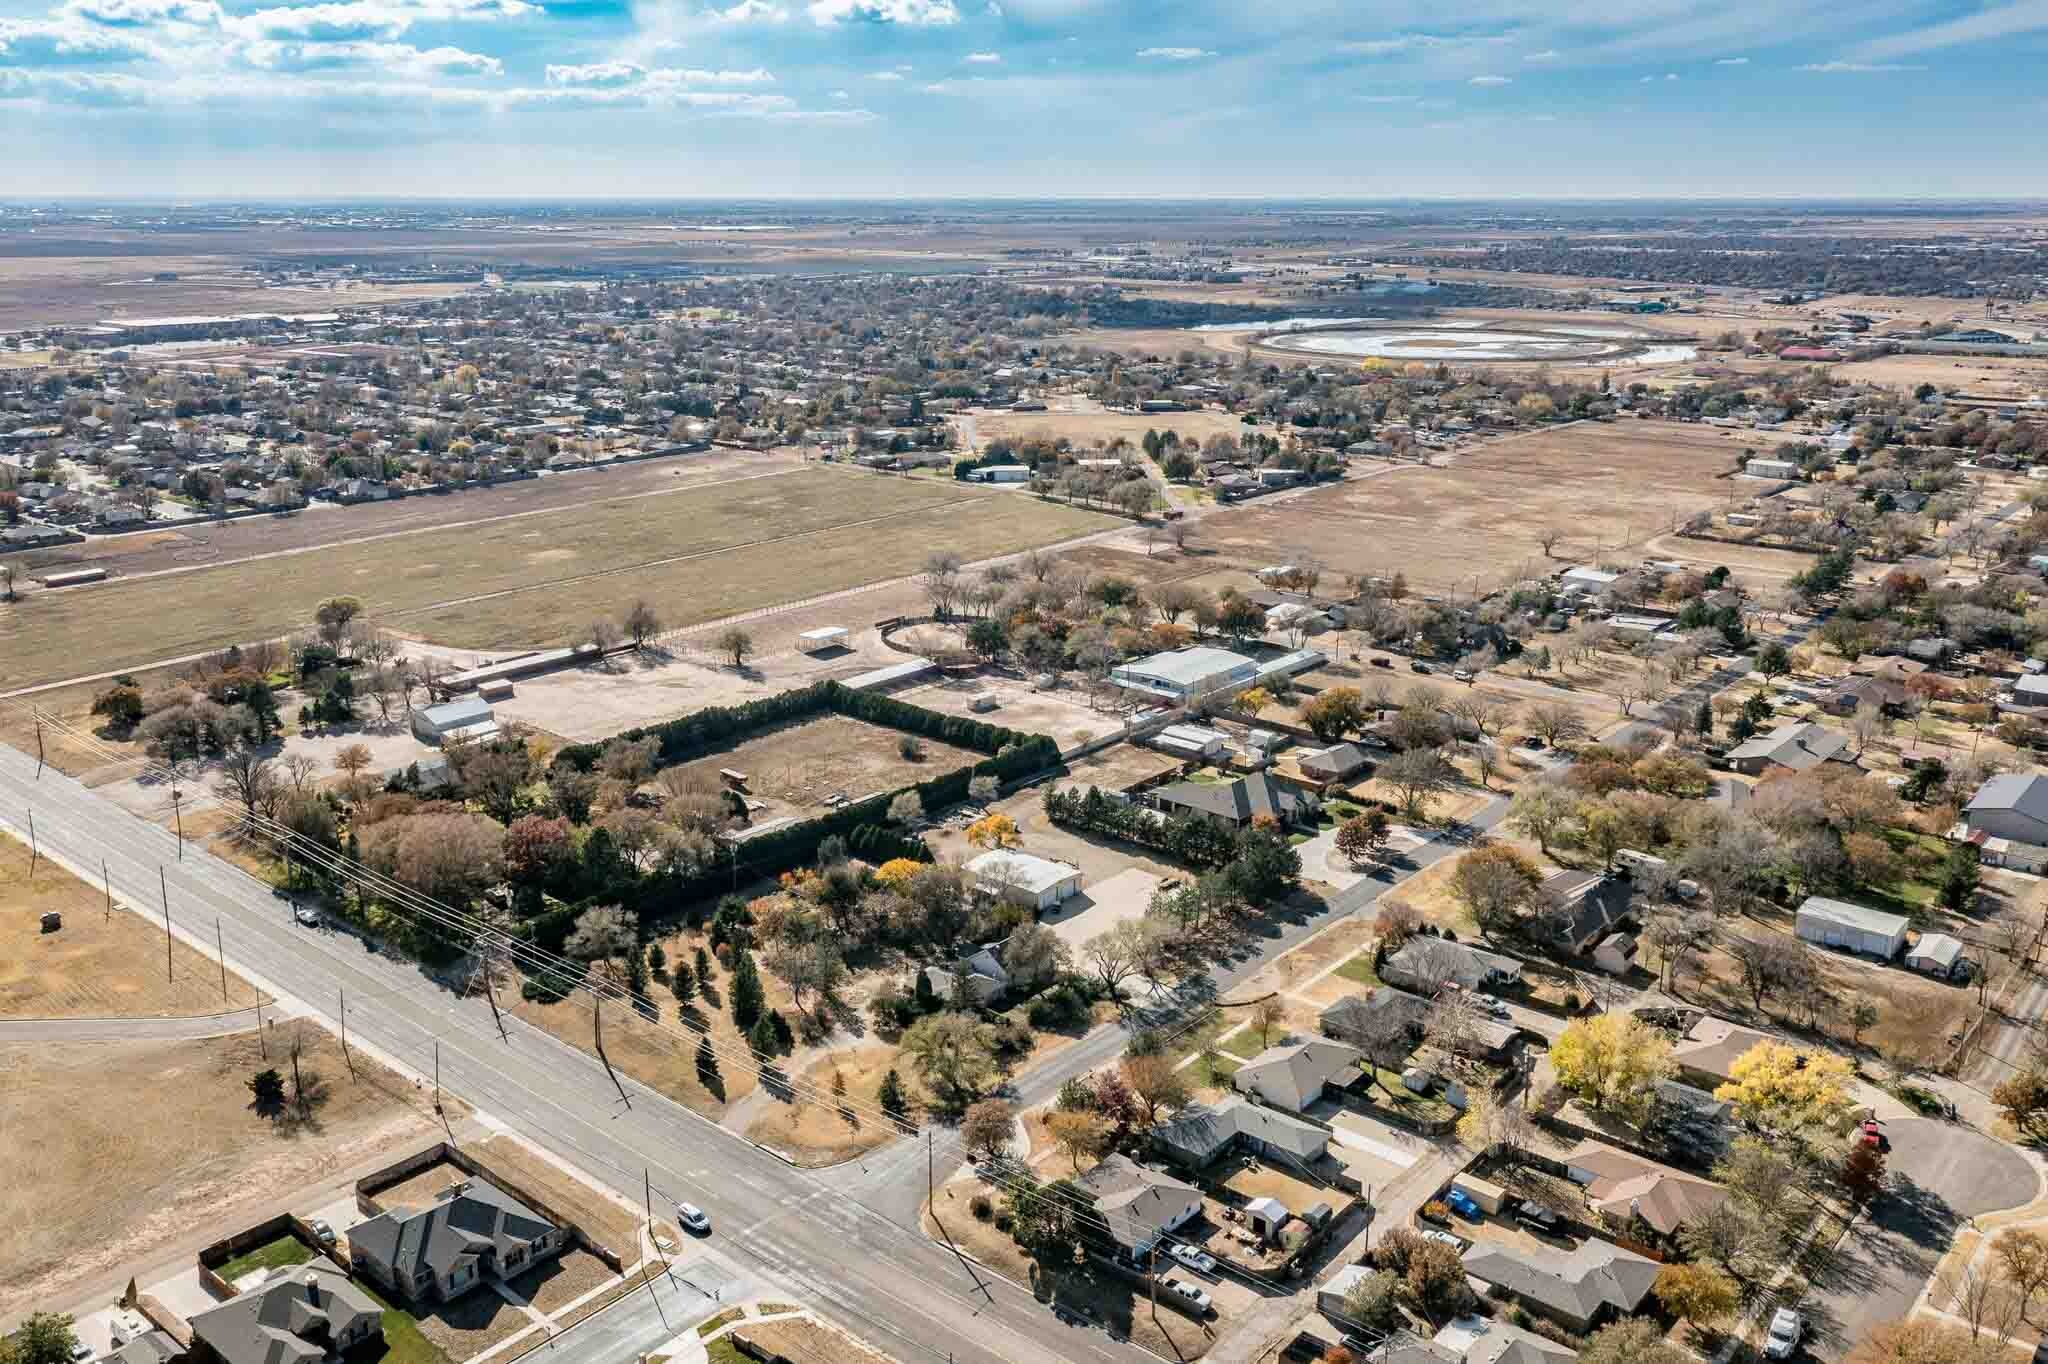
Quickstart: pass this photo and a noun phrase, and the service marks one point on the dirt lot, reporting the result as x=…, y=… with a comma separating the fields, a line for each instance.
x=656, y=1056
x=795, y=768
x=1064, y=714
x=98, y=965
x=796, y=1338
x=1604, y=484
x=699, y=554
x=116, y=1147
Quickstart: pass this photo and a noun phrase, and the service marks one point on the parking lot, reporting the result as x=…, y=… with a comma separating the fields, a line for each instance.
x=1941, y=1175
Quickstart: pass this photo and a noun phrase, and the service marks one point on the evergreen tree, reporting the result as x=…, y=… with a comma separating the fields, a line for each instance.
x=683, y=982
x=890, y=1096
x=703, y=968
x=745, y=989
x=1703, y=720
x=761, y=1037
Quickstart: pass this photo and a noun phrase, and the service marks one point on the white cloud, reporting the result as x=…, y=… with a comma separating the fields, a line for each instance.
x=995, y=9
x=1671, y=75
x=391, y=58
x=984, y=58
x=343, y=19
x=69, y=41
x=1857, y=68
x=885, y=75
x=596, y=74
x=1548, y=54
x=909, y=12
x=668, y=75
x=145, y=13
x=1389, y=99
x=1733, y=61
x=1175, y=54
x=2002, y=21
x=1421, y=42
x=1491, y=80
x=841, y=94
x=754, y=11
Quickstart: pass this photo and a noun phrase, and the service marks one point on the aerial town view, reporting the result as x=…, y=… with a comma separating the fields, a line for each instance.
x=951, y=682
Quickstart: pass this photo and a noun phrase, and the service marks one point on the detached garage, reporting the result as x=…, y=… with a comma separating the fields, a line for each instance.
x=1853, y=928
x=1037, y=883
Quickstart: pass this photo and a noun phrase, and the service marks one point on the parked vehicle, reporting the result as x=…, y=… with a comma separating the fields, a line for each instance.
x=1383, y=663
x=306, y=915
x=1787, y=1326
x=1443, y=1238
x=1461, y=676
x=1536, y=1217
x=1458, y=1203
x=322, y=1232
x=1191, y=1295
x=1195, y=1258
x=1418, y=666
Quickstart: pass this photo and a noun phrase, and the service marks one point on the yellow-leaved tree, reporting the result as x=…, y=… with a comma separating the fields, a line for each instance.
x=1782, y=1089
x=1613, y=1063
x=995, y=831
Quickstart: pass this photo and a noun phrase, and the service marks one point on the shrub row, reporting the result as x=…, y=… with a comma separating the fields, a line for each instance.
x=1186, y=838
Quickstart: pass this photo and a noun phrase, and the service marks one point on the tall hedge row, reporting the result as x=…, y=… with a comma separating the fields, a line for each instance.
x=719, y=727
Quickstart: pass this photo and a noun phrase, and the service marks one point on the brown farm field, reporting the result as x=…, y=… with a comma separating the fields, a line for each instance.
x=1605, y=485
x=698, y=555
x=98, y=965
x=167, y=1141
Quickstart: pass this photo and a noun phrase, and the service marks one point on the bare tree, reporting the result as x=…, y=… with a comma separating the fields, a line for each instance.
x=247, y=777
x=735, y=644
x=1548, y=538
x=641, y=623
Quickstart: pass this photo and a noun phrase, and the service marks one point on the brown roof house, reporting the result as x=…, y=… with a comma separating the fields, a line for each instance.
x=1621, y=1186
x=306, y=1314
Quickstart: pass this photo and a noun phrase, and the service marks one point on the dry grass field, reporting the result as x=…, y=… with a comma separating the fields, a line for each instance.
x=798, y=766
x=699, y=554
x=98, y=965
x=821, y=1133
x=1088, y=429
x=1605, y=485
x=116, y=1147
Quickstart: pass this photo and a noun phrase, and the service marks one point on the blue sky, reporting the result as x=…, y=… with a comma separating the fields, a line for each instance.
x=713, y=98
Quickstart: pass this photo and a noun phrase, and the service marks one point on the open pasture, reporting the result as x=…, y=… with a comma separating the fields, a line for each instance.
x=1602, y=485
x=697, y=555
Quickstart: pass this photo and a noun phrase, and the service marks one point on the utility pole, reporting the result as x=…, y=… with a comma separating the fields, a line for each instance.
x=32, y=850
x=220, y=952
x=262, y=1040
x=39, y=744
x=178, y=813
x=930, y=1182
x=437, y=1075
x=344, y=1033
x=597, y=1021
x=164, y=887
x=108, y=882
x=1152, y=1278
x=491, y=991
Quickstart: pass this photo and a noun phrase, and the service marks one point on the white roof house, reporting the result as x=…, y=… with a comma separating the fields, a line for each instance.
x=1036, y=882
x=1937, y=954
x=1586, y=579
x=1194, y=741
x=1837, y=923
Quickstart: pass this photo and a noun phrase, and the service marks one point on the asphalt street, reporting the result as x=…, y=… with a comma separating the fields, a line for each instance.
x=648, y=1318
x=872, y=1274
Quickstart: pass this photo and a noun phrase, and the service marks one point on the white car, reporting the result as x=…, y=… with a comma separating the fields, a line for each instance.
x=306, y=915
x=1189, y=1294
x=693, y=1219
x=80, y=1352
x=1783, y=1338
x=1195, y=1258
x=1443, y=1238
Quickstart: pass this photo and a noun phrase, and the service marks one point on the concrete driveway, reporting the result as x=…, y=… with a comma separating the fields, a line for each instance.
x=1940, y=1176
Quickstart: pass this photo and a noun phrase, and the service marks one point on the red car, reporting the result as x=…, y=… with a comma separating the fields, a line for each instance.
x=1870, y=1136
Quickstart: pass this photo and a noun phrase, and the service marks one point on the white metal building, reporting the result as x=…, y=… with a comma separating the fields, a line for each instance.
x=1858, y=928
x=1038, y=883
x=469, y=718
x=1183, y=675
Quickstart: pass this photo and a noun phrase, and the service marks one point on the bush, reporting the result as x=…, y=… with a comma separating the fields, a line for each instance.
x=981, y=1208
x=1436, y=1210
x=911, y=747
x=1004, y=1220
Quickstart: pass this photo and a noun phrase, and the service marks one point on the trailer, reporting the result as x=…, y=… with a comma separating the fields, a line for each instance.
x=75, y=577
x=822, y=638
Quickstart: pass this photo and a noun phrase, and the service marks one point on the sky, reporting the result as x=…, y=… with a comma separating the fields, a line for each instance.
x=1040, y=98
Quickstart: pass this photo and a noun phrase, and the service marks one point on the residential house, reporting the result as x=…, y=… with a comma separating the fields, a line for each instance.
x=1858, y=928
x=1580, y=908
x=1621, y=1186
x=2012, y=805
x=472, y=1232
x=1338, y=762
x=151, y=1347
x=1711, y=1047
x=1139, y=1205
x=1491, y=1340
x=1793, y=746
x=1360, y=1015
x=2007, y=852
x=1037, y=883
x=303, y=1315
x=1296, y=1074
x=1200, y=1134
x=979, y=974
x=1880, y=691
x=1582, y=1289
x=1616, y=954
x=1235, y=804
x=1585, y=580
x=1425, y=964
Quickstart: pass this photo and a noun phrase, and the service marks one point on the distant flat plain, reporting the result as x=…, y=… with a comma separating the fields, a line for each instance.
x=697, y=554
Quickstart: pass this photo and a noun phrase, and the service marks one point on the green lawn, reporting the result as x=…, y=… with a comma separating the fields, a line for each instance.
x=1359, y=968
x=1247, y=1044
x=1420, y=1107
x=284, y=1251
x=1218, y=1070
x=730, y=1314
x=1921, y=856
x=403, y=1343
x=723, y=1351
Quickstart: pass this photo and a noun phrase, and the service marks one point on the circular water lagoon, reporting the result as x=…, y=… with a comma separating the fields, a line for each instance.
x=1475, y=342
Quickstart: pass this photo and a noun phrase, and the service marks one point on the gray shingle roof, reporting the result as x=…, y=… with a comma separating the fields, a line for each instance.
x=1797, y=745
x=1241, y=800
x=1597, y=1273
x=482, y=1218
x=2025, y=792
x=290, y=1320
